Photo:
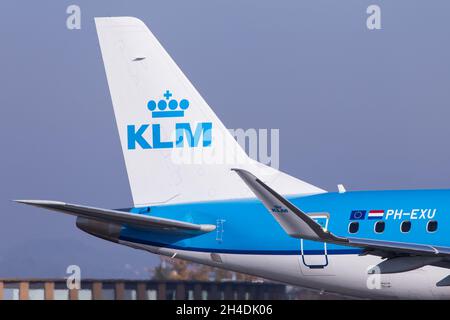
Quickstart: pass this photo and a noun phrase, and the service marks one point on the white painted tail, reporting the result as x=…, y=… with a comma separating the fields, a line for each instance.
x=176, y=149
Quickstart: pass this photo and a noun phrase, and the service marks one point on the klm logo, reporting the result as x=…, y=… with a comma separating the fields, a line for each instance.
x=279, y=209
x=148, y=136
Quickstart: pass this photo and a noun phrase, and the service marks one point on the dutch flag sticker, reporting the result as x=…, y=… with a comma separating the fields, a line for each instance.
x=376, y=214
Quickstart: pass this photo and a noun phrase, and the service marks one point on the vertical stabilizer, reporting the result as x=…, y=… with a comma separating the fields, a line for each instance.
x=175, y=148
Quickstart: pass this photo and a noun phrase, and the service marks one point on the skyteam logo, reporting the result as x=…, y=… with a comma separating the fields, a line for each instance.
x=149, y=136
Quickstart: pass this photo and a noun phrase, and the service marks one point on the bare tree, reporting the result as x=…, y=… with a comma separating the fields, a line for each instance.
x=176, y=269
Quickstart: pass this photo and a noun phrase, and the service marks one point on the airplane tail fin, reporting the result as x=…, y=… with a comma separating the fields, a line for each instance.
x=176, y=149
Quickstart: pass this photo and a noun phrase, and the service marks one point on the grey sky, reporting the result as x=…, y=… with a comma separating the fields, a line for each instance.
x=369, y=109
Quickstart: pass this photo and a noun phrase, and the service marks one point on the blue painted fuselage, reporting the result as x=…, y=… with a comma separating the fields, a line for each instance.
x=246, y=227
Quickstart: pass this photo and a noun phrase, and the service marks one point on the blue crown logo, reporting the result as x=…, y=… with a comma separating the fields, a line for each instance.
x=167, y=107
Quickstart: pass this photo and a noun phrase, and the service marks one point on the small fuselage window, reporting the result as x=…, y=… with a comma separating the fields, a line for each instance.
x=405, y=226
x=379, y=226
x=432, y=226
x=353, y=227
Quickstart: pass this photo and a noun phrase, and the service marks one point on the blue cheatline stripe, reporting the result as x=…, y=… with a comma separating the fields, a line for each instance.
x=237, y=251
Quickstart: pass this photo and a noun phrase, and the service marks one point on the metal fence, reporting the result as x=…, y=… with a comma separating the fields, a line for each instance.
x=119, y=289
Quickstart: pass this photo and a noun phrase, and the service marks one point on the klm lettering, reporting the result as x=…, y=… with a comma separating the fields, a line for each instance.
x=148, y=136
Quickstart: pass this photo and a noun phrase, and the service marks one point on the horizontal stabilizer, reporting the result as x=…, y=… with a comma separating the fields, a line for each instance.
x=120, y=217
